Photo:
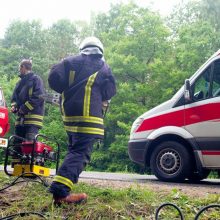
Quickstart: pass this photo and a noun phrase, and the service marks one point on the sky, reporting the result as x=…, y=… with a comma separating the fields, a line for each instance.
x=49, y=11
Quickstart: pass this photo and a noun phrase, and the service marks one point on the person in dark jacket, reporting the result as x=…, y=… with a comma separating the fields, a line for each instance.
x=85, y=82
x=27, y=103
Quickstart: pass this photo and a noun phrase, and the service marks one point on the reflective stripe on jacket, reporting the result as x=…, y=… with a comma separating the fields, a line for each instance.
x=26, y=97
x=84, y=83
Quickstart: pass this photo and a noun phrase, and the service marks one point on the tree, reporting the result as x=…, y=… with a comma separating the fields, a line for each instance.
x=23, y=39
x=195, y=25
x=61, y=39
x=135, y=38
x=150, y=57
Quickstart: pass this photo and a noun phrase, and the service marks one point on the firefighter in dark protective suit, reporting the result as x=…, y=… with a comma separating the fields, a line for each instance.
x=84, y=81
x=27, y=103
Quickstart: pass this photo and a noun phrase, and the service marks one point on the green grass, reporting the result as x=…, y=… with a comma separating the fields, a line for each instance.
x=103, y=203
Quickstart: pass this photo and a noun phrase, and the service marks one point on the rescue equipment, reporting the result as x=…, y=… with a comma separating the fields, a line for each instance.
x=180, y=213
x=51, y=98
x=91, y=42
x=30, y=158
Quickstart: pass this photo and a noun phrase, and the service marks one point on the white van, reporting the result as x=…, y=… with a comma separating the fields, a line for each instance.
x=180, y=138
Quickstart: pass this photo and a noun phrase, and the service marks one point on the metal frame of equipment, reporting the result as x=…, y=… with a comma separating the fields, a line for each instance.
x=31, y=156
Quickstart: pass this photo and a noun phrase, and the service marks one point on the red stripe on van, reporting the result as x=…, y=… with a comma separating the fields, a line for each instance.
x=169, y=119
x=205, y=152
x=202, y=113
x=176, y=118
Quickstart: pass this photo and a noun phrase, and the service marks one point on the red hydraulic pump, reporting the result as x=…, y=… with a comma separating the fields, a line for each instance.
x=31, y=158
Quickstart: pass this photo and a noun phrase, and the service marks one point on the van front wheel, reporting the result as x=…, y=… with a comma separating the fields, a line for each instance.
x=170, y=161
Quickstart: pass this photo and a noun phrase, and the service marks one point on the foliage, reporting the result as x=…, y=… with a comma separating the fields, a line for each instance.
x=134, y=202
x=150, y=57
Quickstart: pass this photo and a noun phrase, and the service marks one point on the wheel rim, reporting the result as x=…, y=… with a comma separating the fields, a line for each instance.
x=169, y=161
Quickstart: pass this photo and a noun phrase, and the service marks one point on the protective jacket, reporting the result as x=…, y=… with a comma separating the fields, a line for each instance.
x=84, y=81
x=27, y=97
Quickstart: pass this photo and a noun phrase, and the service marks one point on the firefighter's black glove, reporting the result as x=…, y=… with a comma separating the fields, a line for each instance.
x=14, y=109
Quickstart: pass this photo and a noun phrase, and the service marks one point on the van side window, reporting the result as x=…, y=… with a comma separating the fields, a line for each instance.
x=216, y=79
x=202, y=85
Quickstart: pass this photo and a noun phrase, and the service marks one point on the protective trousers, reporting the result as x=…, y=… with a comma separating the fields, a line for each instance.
x=78, y=156
x=27, y=132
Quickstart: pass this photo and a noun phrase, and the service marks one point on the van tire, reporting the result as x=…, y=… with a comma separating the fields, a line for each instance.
x=170, y=161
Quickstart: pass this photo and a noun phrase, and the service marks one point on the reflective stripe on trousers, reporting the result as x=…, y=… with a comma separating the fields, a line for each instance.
x=77, y=157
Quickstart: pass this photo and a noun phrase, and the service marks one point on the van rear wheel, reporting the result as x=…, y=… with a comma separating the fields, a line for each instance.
x=170, y=161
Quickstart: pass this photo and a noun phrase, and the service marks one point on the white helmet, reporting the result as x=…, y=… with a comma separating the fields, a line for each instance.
x=91, y=42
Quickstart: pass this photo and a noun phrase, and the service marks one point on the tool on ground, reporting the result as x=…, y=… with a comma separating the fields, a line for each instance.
x=51, y=98
x=165, y=205
x=31, y=158
x=198, y=214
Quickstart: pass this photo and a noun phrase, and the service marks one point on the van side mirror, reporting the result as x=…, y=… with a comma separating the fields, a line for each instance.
x=187, y=91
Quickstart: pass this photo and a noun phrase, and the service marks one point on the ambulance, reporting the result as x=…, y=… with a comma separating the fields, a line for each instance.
x=180, y=138
x=4, y=121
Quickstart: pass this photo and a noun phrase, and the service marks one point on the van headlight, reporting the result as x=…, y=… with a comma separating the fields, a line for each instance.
x=136, y=124
x=1, y=130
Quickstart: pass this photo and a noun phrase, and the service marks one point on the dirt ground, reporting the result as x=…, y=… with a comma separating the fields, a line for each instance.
x=193, y=190
x=202, y=189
